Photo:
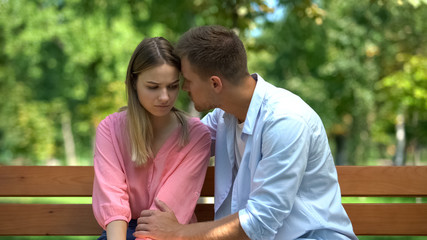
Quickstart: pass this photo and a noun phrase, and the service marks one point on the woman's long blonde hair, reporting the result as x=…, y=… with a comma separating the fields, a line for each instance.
x=151, y=52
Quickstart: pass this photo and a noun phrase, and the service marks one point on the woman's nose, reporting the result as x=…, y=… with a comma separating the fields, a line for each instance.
x=164, y=95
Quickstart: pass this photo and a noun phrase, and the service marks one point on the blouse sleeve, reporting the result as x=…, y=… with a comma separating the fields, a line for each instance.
x=182, y=188
x=110, y=200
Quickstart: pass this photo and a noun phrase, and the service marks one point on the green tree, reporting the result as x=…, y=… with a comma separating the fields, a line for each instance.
x=333, y=54
x=63, y=65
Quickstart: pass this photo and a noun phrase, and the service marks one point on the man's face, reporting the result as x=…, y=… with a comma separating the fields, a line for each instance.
x=197, y=88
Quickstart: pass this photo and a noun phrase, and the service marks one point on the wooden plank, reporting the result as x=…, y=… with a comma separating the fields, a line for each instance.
x=77, y=219
x=47, y=219
x=208, y=186
x=30, y=181
x=53, y=219
x=383, y=180
x=204, y=212
x=61, y=219
x=77, y=181
x=46, y=180
x=388, y=219
x=367, y=181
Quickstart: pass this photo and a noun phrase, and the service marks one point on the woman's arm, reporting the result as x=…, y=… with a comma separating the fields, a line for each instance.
x=116, y=230
x=110, y=199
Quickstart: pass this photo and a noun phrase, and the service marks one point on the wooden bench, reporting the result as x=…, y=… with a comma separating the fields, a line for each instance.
x=77, y=219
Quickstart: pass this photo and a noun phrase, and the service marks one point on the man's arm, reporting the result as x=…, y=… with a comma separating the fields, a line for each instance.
x=163, y=225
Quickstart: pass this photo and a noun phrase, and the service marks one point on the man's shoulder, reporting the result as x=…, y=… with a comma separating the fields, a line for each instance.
x=281, y=104
x=216, y=113
x=281, y=101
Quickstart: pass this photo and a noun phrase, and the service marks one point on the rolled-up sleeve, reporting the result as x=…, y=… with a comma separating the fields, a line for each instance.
x=110, y=200
x=285, y=148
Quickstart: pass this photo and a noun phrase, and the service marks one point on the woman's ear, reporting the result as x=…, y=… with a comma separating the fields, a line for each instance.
x=216, y=83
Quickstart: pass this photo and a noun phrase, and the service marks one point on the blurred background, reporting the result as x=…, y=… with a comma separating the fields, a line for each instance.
x=361, y=65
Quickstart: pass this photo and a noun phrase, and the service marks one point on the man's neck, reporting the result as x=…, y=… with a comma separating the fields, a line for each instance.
x=238, y=98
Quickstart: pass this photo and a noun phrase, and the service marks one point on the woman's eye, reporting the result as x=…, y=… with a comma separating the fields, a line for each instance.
x=152, y=87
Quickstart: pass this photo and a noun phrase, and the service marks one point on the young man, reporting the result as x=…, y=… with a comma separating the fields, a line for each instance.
x=274, y=173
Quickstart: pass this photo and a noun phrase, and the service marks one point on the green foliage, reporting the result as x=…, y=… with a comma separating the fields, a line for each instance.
x=357, y=63
x=59, y=62
x=69, y=58
x=334, y=55
x=409, y=85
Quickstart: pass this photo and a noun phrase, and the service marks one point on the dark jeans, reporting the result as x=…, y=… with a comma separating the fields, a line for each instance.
x=130, y=231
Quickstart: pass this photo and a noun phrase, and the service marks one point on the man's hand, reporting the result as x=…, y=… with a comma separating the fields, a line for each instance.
x=162, y=224
x=158, y=224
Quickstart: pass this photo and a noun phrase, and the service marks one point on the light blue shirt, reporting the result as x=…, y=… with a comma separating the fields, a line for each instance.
x=286, y=186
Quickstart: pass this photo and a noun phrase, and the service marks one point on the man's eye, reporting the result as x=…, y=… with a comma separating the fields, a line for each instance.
x=175, y=86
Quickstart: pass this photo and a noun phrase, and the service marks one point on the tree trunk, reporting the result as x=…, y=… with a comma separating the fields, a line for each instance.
x=341, y=151
x=399, y=159
x=67, y=134
x=416, y=149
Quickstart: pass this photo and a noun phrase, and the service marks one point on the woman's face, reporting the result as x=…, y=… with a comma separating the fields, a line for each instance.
x=158, y=89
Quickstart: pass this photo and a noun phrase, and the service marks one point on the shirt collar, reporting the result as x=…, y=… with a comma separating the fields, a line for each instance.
x=255, y=105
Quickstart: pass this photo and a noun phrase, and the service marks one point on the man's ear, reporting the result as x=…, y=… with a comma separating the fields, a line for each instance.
x=216, y=83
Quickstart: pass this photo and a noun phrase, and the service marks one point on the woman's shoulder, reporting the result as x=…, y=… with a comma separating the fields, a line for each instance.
x=114, y=119
x=195, y=126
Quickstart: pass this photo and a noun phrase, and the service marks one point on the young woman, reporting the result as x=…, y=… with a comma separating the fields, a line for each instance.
x=149, y=149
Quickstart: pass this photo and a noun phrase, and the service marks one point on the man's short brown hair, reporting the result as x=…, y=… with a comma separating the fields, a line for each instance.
x=214, y=50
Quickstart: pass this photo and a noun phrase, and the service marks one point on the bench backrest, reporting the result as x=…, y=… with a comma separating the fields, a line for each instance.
x=77, y=219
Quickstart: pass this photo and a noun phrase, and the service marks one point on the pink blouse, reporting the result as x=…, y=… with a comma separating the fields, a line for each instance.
x=175, y=175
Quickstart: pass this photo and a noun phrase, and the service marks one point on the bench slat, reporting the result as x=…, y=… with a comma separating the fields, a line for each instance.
x=26, y=181
x=61, y=219
x=208, y=186
x=388, y=219
x=42, y=219
x=77, y=181
x=383, y=180
x=62, y=181
x=204, y=212
x=47, y=219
